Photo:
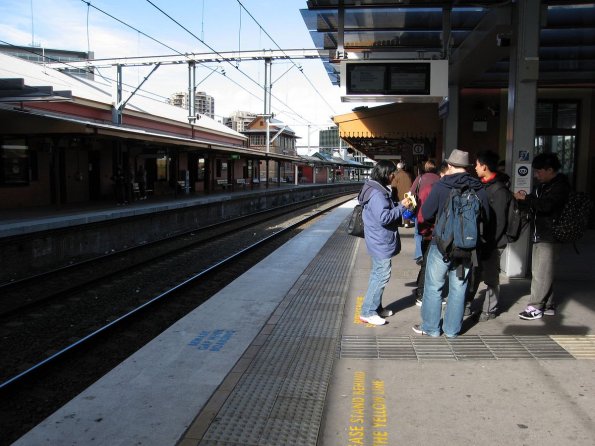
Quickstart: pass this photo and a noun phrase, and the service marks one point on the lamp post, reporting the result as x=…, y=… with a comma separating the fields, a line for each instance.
x=267, y=119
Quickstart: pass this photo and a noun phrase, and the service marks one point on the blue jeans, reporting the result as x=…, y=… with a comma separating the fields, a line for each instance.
x=379, y=277
x=431, y=309
x=417, y=238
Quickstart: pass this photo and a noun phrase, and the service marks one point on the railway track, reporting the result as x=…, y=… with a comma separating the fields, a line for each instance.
x=54, y=348
x=44, y=286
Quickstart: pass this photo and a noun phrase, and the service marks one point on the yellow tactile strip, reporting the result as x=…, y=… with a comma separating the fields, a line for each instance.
x=278, y=397
x=581, y=347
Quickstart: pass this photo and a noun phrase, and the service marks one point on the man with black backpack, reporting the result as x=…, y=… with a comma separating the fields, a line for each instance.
x=457, y=203
x=545, y=204
x=494, y=238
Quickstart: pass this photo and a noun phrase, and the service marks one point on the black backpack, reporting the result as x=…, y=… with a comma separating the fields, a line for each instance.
x=573, y=220
x=457, y=228
x=515, y=219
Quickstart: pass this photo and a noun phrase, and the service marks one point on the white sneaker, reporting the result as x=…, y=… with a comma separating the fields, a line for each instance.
x=374, y=320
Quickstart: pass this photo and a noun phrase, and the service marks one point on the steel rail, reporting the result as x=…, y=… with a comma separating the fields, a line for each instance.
x=120, y=320
x=113, y=255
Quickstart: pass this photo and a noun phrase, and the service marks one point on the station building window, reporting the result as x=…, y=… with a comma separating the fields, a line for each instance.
x=556, y=132
x=16, y=163
x=200, y=174
x=248, y=169
x=162, y=169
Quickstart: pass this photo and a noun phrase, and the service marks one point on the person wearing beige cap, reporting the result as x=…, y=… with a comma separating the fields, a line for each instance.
x=438, y=270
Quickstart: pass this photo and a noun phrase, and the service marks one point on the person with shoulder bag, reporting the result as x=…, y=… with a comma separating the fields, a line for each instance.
x=544, y=205
x=381, y=217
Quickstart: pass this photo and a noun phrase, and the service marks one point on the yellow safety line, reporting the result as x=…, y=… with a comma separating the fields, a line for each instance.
x=581, y=347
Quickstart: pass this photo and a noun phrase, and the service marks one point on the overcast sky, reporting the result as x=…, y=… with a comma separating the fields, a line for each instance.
x=222, y=24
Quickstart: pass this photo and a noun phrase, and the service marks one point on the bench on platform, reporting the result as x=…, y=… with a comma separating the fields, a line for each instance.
x=223, y=183
x=255, y=181
x=241, y=181
x=136, y=192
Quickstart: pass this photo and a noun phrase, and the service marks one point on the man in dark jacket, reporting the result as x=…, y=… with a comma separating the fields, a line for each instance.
x=437, y=269
x=545, y=204
x=494, y=238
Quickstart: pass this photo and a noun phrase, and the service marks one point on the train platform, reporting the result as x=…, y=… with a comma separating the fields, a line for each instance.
x=19, y=221
x=279, y=357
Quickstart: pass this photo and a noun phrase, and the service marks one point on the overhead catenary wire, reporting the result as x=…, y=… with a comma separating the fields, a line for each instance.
x=160, y=43
x=219, y=54
x=300, y=69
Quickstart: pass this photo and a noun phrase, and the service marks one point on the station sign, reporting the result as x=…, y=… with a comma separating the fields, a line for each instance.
x=418, y=149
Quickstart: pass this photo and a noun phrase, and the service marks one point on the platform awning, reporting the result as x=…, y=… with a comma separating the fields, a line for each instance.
x=17, y=121
x=387, y=130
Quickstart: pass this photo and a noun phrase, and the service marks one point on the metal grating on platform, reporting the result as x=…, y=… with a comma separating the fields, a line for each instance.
x=467, y=347
x=280, y=398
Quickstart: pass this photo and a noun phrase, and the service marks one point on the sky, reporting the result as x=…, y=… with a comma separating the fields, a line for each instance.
x=224, y=25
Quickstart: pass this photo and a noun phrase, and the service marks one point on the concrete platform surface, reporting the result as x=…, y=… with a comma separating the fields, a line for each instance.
x=297, y=367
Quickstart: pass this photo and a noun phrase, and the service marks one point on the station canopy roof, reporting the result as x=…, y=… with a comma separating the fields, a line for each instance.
x=480, y=36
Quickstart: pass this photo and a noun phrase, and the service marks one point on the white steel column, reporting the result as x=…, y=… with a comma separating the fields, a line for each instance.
x=520, y=129
x=191, y=91
x=451, y=122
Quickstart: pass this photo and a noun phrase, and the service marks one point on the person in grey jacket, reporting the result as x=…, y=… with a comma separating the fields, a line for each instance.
x=381, y=217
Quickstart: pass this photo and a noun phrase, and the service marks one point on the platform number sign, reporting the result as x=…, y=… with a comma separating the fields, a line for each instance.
x=418, y=149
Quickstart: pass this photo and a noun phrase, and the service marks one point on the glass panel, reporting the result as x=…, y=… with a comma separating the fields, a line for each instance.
x=539, y=145
x=567, y=116
x=544, y=118
x=563, y=146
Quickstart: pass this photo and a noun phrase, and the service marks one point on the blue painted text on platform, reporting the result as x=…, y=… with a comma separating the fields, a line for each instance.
x=212, y=341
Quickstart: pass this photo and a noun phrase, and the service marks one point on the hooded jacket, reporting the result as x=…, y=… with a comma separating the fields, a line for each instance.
x=545, y=204
x=441, y=190
x=381, y=217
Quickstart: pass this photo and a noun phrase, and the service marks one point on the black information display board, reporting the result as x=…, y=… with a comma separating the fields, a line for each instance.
x=392, y=78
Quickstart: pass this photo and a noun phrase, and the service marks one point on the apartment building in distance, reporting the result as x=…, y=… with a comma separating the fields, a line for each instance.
x=203, y=103
x=239, y=120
